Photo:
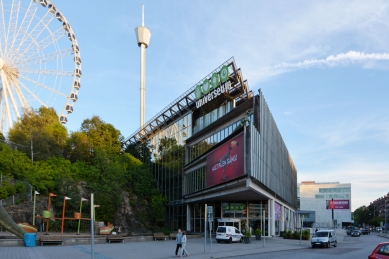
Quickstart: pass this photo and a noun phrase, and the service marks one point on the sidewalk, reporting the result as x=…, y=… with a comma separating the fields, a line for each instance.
x=153, y=249
x=158, y=249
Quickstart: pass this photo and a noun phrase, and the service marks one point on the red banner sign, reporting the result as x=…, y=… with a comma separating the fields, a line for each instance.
x=226, y=162
x=338, y=204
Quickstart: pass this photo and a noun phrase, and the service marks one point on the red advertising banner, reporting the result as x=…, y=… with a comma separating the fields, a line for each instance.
x=338, y=204
x=226, y=162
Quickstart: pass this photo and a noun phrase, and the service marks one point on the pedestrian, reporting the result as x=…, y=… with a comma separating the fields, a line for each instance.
x=184, y=244
x=119, y=230
x=178, y=242
x=315, y=230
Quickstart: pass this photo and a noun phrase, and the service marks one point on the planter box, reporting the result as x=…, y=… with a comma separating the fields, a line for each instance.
x=258, y=237
x=247, y=240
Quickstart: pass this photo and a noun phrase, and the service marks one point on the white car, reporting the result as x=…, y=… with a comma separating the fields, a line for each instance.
x=324, y=238
x=228, y=234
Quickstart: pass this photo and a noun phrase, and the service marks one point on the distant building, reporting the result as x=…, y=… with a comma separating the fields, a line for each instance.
x=324, y=199
x=377, y=207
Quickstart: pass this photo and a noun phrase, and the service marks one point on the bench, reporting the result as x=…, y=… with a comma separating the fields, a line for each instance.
x=51, y=240
x=173, y=235
x=159, y=235
x=115, y=238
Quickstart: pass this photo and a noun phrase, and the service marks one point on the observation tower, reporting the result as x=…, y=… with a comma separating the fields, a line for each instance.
x=143, y=38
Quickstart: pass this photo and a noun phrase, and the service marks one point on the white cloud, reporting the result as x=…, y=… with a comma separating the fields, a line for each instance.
x=288, y=113
x=331, y=61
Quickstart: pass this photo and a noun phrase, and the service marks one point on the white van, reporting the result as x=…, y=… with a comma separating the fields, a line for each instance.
x=324, y=238
x=228, y=234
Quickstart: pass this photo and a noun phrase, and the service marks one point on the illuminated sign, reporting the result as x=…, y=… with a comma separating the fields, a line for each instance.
x=226, y=162
x=338, y=205
x=213, y=87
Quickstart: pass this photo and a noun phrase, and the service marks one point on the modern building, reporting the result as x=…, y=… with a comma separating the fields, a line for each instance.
x=217, y=147
x=330, y=202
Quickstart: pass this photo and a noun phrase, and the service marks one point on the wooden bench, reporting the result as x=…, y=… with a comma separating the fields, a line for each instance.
x=51, y=240
x=115, y=238
x=173, y=235
x=159, y=235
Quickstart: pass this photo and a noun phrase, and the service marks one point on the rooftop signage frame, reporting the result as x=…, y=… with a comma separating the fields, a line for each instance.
x=187, y=101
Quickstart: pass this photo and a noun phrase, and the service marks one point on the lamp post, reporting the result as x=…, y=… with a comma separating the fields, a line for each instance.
x=33, y=210
x=63, y=212
x=385, y=215
x=79, y=220
x=48, y=208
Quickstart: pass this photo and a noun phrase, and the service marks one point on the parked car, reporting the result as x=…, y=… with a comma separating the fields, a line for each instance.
x=381, y=251
x=355, y=233
x=228, y=234
x=324, y=238
x=378, y=229
x=365, y=231
x=348, y=231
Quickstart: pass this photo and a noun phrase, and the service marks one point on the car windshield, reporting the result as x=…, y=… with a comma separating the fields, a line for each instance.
x=321, y=234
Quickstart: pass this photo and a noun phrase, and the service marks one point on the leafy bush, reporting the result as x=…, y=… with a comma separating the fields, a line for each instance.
x=248, y=233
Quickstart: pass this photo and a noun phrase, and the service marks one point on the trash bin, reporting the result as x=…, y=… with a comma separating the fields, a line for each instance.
x=30, y=239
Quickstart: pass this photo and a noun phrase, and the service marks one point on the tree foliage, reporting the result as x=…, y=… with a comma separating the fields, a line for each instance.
x=39, y=134
x=87, y=161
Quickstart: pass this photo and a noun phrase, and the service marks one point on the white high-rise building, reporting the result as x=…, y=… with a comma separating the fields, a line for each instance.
x=329, y=200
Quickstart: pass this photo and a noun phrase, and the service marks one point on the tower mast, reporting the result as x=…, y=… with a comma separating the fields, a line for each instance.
x=143, y=38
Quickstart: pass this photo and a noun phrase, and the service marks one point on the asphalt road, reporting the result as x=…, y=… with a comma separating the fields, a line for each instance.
x=350, y=248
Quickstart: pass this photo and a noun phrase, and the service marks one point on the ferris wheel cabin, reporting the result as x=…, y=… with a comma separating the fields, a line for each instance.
x=65, y=26
x=69, y=108
x=52, y=8
x=59, y=17
x=78, y=72
x=77, y=59
x=77, y=85
x=73, y=97
x=63, y=119
x=43, y=3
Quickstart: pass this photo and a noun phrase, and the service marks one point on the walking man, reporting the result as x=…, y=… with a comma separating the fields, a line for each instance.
x=178, y=243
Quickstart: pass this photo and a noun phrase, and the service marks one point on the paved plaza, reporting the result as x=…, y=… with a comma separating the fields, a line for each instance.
x=152, y=249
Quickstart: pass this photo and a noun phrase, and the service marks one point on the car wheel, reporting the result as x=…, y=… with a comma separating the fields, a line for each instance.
x=230, y=240
x=336, y=243
x=328, y=244
x=241, y=240
x=313, y=246
x=218, y=241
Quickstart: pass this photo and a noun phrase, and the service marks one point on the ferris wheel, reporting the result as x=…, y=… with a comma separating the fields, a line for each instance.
x=40, y=62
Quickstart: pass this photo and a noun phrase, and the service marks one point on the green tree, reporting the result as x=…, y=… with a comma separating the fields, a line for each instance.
x=39, y=133
x=95, y=135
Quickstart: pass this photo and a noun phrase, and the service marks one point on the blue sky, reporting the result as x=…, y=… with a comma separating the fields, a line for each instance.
x=323, y=67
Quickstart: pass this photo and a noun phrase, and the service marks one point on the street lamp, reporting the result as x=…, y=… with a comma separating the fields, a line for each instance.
x=33, y=211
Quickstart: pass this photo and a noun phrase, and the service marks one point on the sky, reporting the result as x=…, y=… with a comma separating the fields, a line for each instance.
x=323, y=67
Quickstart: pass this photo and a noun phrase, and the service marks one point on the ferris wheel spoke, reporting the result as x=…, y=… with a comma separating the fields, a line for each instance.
x=32, y=94
x=24, y=26
x=52, y=38
x=46, y=72
x=2, y=28
x=13, y=102
x=45, y=58
x=4, y=82
x=44, y=86
x=31, y=39
x=22, y=99
x=13, y=22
